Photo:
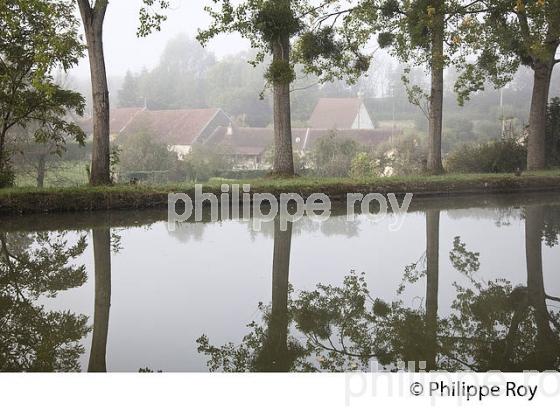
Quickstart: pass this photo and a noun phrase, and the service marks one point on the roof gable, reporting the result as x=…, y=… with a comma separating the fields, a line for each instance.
x=335, y=113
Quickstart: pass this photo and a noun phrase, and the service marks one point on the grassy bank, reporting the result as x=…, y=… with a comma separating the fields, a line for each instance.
x=32, y=200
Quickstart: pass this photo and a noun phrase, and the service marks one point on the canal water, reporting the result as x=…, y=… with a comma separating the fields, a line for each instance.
x=470, y=283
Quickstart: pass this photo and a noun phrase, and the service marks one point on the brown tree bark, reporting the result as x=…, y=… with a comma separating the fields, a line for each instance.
x=536, y=154
x=102, y=260
x=92, y=18
x=283, y=164
x=275, y=356
x=432, y=286
x=435, y=119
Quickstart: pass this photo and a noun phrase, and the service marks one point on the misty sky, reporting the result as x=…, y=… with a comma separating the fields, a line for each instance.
x=123, y=50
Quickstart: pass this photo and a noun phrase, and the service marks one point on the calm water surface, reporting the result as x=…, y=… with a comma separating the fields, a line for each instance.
x=469, y=283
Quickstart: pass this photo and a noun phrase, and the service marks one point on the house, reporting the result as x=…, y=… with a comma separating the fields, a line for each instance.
x=119, y=119
x=249, y=146
x=342, y=114
x=305, y=142
x=178, y=129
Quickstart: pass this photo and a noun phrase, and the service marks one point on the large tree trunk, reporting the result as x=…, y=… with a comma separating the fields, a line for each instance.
x=283, y=164
x=102, y=260
x=432, y=287
x=93, y=26
x=435, y=120
x=275, y=355
x=536, y=155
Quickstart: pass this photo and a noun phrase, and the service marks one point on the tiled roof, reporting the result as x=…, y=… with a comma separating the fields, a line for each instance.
x=331, y=113
x=119, y=119
x=172, y=127
x=243, y=141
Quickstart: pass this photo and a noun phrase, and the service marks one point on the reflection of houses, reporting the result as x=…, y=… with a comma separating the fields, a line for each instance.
x=178, y=129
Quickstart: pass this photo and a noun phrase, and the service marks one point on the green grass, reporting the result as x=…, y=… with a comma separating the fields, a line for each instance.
x=79, y=198
x=65, y=174
x=445, y=180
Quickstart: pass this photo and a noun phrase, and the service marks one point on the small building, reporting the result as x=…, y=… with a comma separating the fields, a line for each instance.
x=178, y=129
x=119, y=119
x=249, y=146
x=342, y=114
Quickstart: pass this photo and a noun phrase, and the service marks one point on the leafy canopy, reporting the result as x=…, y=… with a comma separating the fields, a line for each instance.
x=320, y=43
x=38, y=38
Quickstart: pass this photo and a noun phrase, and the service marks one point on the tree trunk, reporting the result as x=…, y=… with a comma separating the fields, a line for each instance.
x=41, y=169
x=275, y=355
x=102, y=260
x=283, y=164
x=536, y=154
x=435, y=120
x=432, y=286
x=93, y=27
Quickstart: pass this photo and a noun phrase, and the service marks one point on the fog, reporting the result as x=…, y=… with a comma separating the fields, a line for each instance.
x=124, y=50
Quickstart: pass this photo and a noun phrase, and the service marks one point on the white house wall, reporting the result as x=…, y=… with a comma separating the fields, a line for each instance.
x=363, y=120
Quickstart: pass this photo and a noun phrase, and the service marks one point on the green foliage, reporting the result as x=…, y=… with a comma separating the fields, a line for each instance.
x=333, y=156
x=275, y=19
x=327, y=54
x=205, y=162
x=33, y=338
x=463, y=260
x=139, y=152
x=151, y=16
x=405, y=156
x=363, y=166
x=504, y=155
x=323, y=47
x=512, y=33
x=280, y=72
x=38, y=37
x=7, y=176
x=385, y=39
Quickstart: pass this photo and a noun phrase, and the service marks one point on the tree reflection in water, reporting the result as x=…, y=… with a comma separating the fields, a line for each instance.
x=268, y=347
x=33, y=338
x=102, y=261
x=492, y=325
